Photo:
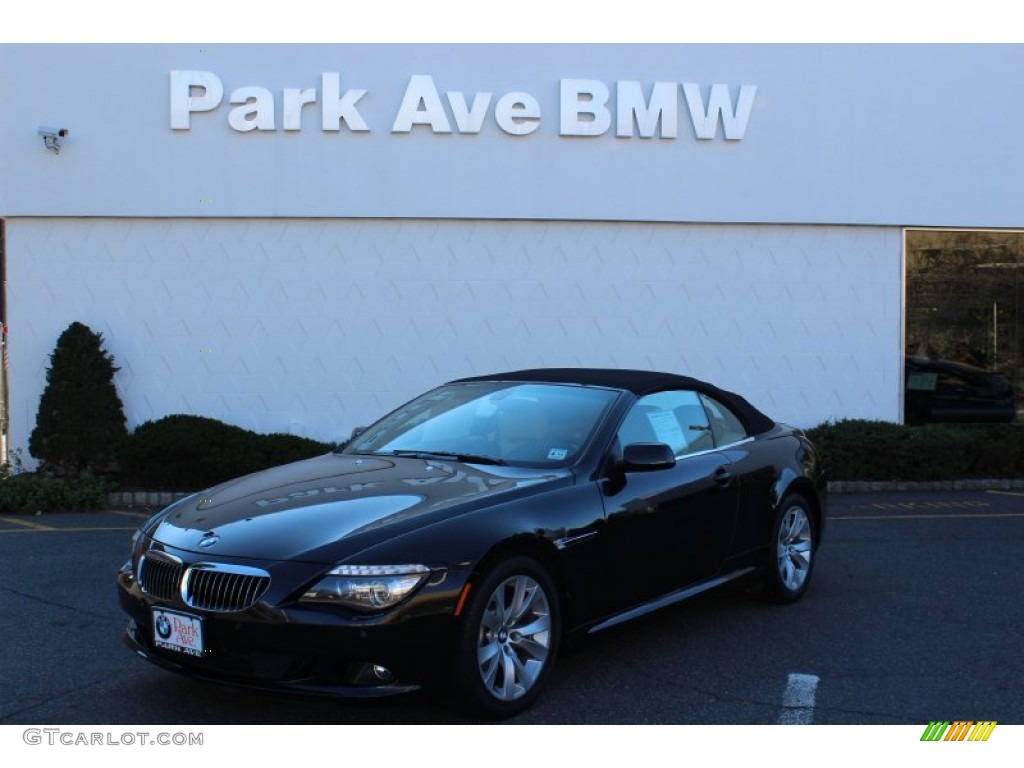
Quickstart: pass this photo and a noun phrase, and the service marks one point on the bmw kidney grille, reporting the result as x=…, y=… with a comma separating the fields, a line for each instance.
x=206, y=586
x=214, y=587
x=160, y=575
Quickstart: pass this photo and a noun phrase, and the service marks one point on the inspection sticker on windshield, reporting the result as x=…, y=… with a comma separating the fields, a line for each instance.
x=178, y=632
x=557, y=454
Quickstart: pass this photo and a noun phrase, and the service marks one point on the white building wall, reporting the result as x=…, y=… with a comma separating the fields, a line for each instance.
x=874, y=135
x=313, y=326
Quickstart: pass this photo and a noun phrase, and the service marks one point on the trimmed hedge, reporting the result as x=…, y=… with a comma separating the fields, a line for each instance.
x=189, y=453
x=856, y=449
x=31, y=493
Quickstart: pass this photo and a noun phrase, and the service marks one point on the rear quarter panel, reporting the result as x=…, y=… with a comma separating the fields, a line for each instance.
x=770, y=466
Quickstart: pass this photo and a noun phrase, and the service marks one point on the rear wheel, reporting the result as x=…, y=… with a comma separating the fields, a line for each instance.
x=508, y=639
x=792, y=554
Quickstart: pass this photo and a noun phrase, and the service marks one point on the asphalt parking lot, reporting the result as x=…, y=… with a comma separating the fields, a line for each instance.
x=915, y=615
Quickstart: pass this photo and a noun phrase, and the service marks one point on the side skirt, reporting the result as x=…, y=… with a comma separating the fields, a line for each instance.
x=666, y=600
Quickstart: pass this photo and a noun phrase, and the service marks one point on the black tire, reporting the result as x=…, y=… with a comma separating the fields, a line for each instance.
x=792, y=551
x=499, y=669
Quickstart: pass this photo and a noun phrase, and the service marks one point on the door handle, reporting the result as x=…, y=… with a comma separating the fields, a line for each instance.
x=723, y=477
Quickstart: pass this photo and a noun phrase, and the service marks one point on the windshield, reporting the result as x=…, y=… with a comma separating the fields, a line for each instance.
x=491, y=422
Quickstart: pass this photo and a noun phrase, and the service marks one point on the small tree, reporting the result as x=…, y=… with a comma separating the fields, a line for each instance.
x=80, y=420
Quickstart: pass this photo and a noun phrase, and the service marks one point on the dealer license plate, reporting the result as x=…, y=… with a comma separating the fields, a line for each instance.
x=178, y=632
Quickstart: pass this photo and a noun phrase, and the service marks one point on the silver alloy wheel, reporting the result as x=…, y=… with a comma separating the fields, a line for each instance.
x=514, y=637
x=795, y=548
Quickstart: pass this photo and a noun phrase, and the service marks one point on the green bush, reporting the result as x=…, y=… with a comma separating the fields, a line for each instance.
x=80, y=419
x=187, y=453
x=30, y=493
x=854, y=449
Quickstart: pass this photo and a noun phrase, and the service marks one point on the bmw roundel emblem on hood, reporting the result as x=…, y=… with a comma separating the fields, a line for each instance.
x=209, y=539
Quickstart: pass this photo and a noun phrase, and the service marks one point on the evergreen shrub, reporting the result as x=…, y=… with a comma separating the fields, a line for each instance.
x=80, y=421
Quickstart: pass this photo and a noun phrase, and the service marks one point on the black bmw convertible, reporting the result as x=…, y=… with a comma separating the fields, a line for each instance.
x=459, y=539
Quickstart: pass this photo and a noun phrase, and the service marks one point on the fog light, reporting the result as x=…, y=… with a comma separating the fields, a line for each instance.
x=372, y=674
x=134, y=631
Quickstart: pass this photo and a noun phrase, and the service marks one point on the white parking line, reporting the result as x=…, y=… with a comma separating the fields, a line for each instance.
x=798, y=700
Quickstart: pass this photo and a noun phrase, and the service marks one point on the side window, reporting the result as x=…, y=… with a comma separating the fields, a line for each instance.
x=725, y=426
x=676, y=418
x=950, y=383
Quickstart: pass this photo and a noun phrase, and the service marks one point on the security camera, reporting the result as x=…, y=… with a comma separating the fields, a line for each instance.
x=52, y=137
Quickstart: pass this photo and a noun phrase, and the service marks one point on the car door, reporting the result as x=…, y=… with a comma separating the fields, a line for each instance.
x=753, y=469
x=672, y=526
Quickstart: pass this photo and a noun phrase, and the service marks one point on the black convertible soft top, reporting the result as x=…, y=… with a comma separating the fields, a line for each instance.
x=639, y=383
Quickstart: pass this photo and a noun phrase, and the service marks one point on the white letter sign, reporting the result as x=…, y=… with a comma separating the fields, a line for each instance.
x=586, y=107
x=517, y=114
x=421, y=90
x=705, y=122
x=338, y=107
x=630, y=104
x=584, y=97
x=256, y=112
x=183, y=103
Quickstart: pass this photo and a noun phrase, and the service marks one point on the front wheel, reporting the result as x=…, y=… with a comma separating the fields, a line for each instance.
x=792, y=554
x=508, y=639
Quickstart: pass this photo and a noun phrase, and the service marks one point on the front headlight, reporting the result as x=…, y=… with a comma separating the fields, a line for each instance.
x=367, y=587
x=140, y=541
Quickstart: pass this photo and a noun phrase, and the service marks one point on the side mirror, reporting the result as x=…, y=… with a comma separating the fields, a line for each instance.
x=645, y=457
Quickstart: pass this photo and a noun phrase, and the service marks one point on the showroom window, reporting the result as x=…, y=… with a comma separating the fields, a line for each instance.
x=964, y=355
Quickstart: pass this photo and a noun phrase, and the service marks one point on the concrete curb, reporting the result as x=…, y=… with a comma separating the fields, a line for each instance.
x=130, y=499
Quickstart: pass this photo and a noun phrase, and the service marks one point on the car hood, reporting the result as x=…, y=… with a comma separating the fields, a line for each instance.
x=298, y=510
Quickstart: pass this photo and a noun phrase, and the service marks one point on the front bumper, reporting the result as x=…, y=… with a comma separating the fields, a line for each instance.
x=308, y=650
